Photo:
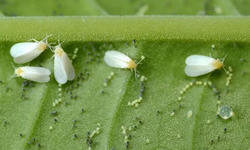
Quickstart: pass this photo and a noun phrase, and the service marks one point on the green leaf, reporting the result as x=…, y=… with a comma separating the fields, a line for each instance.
x=165, y=42
x=150, y=28
x=162, y=119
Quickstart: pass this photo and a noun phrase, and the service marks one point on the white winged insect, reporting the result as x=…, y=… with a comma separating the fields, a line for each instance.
x=37, y=74
x=119, y=60
x=27, y=51
x=63, y=68
x=198, y=65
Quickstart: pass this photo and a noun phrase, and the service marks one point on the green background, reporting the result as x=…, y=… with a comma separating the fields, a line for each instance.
x=165, y=32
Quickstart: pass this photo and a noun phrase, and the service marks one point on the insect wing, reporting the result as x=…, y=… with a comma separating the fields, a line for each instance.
x=194, y=70
x=37, y=74
x=199, y=60
x=24, y=52
x=69, y=69
x=22, y=48
x=59, y=71
x=116, y=59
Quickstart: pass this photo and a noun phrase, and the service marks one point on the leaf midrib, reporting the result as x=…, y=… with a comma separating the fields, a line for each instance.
x=116, y=110
x=37, y=116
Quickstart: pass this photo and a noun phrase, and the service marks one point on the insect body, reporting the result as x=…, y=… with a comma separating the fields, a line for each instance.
x=63, y=68
x=198, y=65
x=37, y=74
x=118, y=60
x=27, y=51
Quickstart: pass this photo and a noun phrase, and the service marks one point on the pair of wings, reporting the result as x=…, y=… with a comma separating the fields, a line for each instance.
x=37, y=74
x=63, y=68
x=25, y=52
x=116, y=59
x=198, y=65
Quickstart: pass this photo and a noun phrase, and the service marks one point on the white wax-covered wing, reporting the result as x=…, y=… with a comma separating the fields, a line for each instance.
x=69, y=69
x=116, y=59
x=194, y=71
x=199, y=60
x=27, y=57
x=37, y=74
x=22, y=48
x=59, y=71
x=41, y=78
x=39, y=70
